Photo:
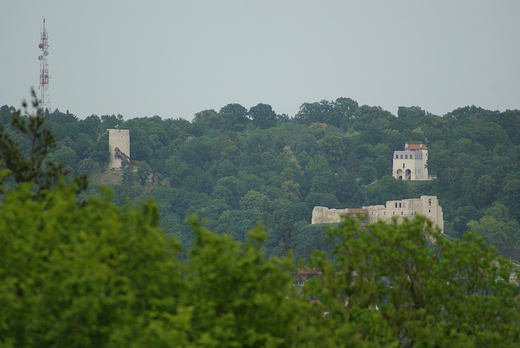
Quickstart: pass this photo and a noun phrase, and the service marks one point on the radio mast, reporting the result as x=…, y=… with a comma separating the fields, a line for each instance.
x=45, y=101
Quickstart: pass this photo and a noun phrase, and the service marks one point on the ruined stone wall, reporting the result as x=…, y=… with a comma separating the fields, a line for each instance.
x=400, y=209
x=325, y=215
x=118, y=138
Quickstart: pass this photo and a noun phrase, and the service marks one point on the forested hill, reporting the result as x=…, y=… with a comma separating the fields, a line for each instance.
x=239, y=167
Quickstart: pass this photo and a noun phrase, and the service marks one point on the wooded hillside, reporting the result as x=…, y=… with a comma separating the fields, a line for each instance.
x=239, y=167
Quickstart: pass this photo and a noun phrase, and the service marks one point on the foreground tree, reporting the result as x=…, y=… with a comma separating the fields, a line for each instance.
x=31, y=164
x=409, y=284
x=96, y=275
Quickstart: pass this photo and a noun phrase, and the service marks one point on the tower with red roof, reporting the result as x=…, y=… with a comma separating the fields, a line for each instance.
x=410, y=163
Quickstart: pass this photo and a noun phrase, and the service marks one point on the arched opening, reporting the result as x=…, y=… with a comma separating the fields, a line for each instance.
x=408, y=174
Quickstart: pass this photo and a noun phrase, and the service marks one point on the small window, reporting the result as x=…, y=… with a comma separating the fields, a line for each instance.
x=401, y=156
x=401, y=213
x=396, y=156
x=430, y=201
x=396, y=205
x=399, y=205
x=405, y=156
x=411, y=156
x=403, y=165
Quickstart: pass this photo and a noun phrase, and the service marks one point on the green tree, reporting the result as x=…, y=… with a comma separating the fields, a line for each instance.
x=85, y=275
x=33, y=167
x=318, y=166
x=263, y=116
x=367, y=173
x=129, y=176
x=235, y=116
x=485, y=191
x=230, y=189
x=388, y=188
x=400, y=289
x=412, y=113
x=100, y=152
x=176, y=169
x=65, y=155
x=86, y=165
x=512, y=196
x=333, y=148
x=102, y=276
x=498, y=229
x=254, y=200
x=143, y=172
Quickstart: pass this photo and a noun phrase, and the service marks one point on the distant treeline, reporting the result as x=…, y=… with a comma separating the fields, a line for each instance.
x=238, y=168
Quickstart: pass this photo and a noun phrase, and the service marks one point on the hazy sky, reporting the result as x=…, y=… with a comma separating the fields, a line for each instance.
x=176, y=58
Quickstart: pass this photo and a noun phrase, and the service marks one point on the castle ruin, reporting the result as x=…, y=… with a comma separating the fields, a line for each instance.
x=400, y=209
x=118, y=139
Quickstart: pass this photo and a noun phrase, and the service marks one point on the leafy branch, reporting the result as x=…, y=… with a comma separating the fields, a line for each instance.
x=35, y=167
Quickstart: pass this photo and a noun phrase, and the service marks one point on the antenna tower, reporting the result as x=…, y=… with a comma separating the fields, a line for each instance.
x=45, y=103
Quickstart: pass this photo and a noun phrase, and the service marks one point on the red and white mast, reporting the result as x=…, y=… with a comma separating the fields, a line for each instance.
x=45, y=101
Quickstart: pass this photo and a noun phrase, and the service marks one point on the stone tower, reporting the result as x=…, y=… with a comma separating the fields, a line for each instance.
x=410, y=164
x=118, y=138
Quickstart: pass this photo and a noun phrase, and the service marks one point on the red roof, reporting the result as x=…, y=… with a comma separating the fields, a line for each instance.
x=318, y=124
x=417, y=147
x=357, y=210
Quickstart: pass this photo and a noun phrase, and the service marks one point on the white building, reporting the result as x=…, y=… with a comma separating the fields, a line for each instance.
x=118, y=138
x=406, y=208
x=410, y=164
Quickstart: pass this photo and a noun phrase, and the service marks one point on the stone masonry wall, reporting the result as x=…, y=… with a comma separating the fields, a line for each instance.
x=118, y=138
x=425, y=205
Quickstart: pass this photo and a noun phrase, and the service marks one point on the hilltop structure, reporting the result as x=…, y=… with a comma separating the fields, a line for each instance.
x=400, y=209
x=119, y=146
x=410, y=164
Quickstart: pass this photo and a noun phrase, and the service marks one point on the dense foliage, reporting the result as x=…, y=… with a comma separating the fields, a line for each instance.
x=443, y=294
x=239, y=167
x=89, y=273
x=98, y=275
